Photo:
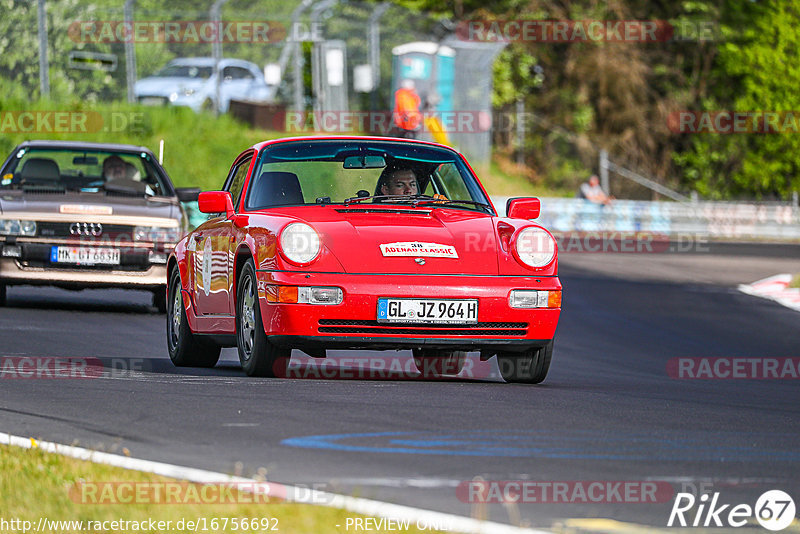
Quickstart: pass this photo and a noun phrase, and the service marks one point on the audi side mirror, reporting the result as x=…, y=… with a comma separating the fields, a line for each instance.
x=187, y=194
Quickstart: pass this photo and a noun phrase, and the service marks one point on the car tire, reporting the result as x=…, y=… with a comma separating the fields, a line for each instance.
x=438, y=363
x=160, y=300
x=185, y=349
x=529, y=367
x=256, y=354
x=3, y=294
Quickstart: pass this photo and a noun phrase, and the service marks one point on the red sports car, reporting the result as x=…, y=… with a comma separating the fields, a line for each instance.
x=362, y=243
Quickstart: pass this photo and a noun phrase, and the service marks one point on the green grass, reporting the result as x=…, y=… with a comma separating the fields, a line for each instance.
x=36, y=484
x=507, y=179
x=198, y=148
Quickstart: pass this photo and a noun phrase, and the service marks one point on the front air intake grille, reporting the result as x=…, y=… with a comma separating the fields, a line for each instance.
x=336, y=326
x=109, y=231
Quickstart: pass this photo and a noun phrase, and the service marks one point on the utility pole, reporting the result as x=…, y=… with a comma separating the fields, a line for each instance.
x=374, y=50
x=216, y=48
x=604, y=171
x=44, y=64
x=520, y=131
x=130, y=51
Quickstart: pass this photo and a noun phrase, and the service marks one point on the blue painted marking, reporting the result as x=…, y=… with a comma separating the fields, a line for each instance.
x=544, y=445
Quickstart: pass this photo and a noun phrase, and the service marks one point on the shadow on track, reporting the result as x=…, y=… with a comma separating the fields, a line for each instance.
x=86, y=300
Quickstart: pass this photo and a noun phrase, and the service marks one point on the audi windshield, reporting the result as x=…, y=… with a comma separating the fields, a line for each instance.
x=54, y=170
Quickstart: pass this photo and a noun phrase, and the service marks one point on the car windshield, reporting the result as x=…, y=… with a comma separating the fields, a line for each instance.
x=185, y=71
x=75, y=169
x=353, y=172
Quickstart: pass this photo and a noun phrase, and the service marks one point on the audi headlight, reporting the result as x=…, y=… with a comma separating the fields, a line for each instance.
x=17, y=227
x=299, y=243
x=156, y=234
x=534, y=247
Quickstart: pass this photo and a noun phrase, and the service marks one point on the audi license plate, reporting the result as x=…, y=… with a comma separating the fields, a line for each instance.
x=439, y=311
x=85, y=255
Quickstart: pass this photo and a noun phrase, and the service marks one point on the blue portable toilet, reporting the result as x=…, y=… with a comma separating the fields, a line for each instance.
x=432, y=68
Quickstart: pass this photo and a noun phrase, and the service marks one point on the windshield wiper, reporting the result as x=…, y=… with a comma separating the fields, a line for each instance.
x=402, y=198
x=448, y=202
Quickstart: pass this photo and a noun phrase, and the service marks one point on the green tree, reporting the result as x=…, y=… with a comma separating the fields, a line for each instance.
x=757, y=69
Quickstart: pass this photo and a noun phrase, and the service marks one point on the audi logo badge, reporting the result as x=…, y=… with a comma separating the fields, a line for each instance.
x=92, y=229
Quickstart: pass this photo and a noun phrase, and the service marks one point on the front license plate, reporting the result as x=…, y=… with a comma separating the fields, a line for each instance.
x=85, y=255
x=439, y=311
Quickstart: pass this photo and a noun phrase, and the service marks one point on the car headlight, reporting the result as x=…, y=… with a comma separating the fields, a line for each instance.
x=299, y=243
x=156, y=234
x=17, y=227
x=534, y=247
x=173, y=97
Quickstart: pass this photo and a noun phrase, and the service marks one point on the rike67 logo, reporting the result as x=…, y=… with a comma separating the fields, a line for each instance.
x=774, y=510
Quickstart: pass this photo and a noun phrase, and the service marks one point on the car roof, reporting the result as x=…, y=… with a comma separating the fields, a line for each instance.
x=54, y=143
x=262, y=144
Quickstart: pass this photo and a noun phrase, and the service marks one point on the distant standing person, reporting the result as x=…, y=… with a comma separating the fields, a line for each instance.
x=406, y=114
x=592, y=191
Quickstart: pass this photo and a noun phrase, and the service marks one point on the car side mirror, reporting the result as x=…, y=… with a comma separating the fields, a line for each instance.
x=523, y=208
x=187, y=194
x=216, y=202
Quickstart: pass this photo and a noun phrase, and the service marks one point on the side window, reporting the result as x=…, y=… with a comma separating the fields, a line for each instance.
x=236, y=179
x=451, y=182
x=236, y=73
x=243, y=74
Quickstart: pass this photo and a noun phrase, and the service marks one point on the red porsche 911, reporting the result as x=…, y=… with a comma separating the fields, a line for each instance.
x=362, y=243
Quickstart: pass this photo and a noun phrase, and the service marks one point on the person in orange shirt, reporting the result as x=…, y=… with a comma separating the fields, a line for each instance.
x=406, y=114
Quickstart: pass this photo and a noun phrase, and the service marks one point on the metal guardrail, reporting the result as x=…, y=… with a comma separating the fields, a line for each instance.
x=729, y=220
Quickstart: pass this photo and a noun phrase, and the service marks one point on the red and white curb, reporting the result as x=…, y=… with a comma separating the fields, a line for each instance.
x=367, y=507
x=775, y=288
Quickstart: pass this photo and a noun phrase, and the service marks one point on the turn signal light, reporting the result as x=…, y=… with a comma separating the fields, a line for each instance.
x=531, y=298
x=287, y=294
x=304, y=295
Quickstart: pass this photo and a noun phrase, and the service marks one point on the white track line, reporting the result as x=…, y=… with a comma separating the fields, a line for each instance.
x=366, y=507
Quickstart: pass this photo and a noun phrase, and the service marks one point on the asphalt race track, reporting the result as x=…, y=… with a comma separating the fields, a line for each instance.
x=609, y=411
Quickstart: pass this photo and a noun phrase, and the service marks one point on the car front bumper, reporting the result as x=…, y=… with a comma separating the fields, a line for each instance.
x=353, y=323
x=33, y=268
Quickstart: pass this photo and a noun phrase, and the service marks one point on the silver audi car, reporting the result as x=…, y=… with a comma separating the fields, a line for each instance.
x=87, y=215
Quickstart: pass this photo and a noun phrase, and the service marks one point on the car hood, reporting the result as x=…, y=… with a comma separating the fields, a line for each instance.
x=450, y=241
x=89, y=207
x=166, y=86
